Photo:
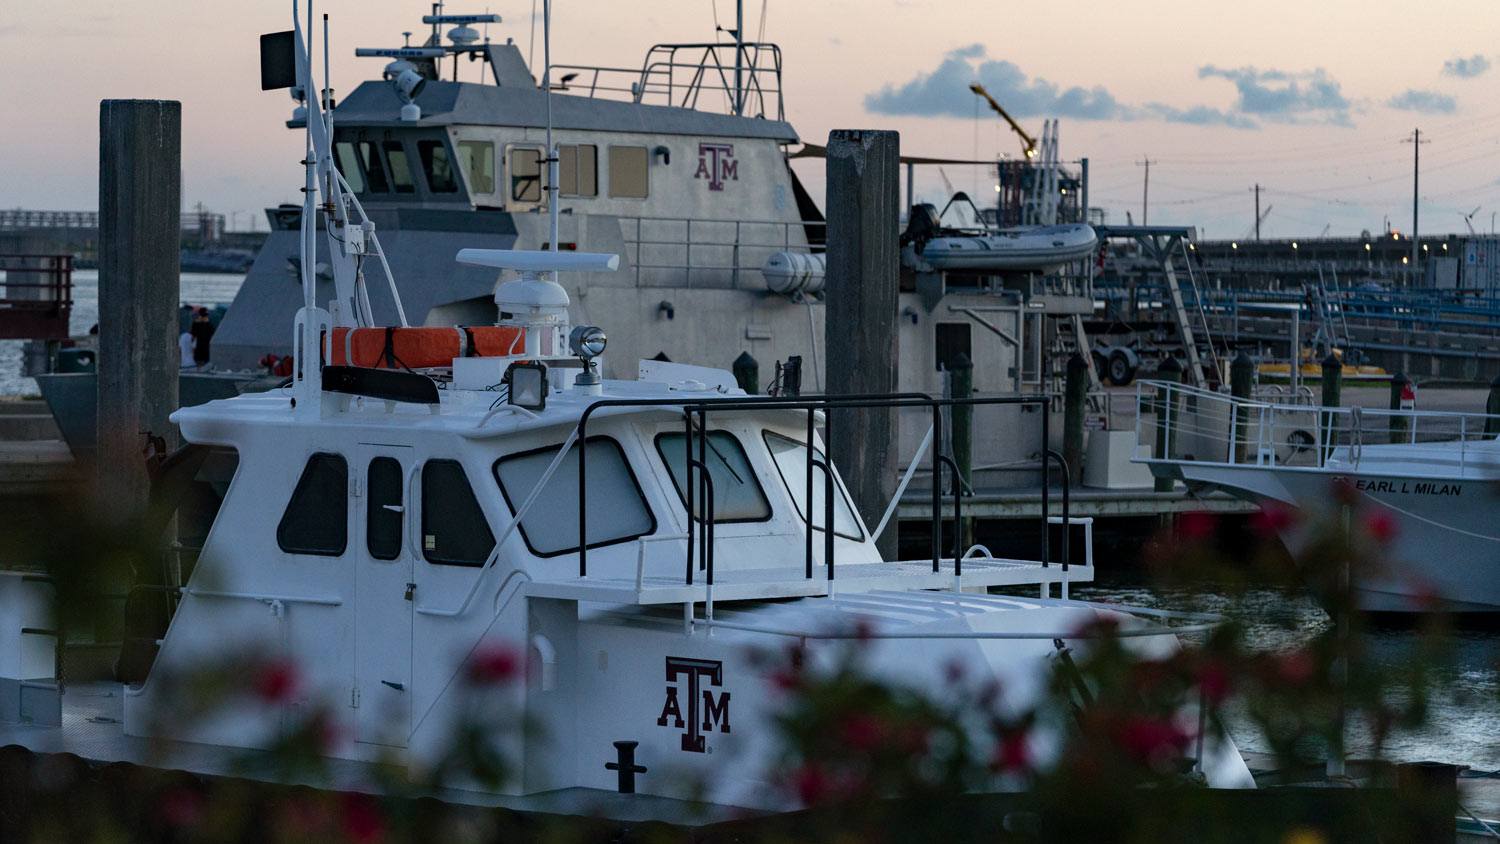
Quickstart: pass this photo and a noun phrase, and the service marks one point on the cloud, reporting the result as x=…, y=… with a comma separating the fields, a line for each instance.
x=945, y=92
x=1284, y=96
x=1426, y=102
x=1466, y=67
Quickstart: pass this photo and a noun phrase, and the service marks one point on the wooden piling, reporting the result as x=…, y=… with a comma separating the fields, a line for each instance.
x=860, y=321
x=1492, y=409
x=1075, y=396
x=140, y=197
x=1399, y=424
x=1333, y=379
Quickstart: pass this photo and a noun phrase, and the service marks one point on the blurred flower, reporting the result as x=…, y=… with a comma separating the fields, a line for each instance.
x=494, y=663
x=1196, y=526
x=362, y=819
x=953, y=671
x=1151, y=739
x=1271, y=519
x=1381, y=526
x=1214, y=681
x=1345, y=492
x=181, y=807
x=864, y=630
x=863, y=731
x=276, y=681
x=1294, y=667
x=1011, y=753
x=811, y=783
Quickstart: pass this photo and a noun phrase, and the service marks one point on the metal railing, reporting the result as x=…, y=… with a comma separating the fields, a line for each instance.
x=38, y=296
x=722, y=248
x=1191, y=424
x=680, y=75
x=695, y=416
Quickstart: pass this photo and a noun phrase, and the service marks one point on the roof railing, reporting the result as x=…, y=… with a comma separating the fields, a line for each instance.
x=681, y=74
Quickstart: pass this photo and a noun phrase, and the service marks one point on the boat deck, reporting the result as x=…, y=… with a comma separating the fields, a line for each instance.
x=760, y=584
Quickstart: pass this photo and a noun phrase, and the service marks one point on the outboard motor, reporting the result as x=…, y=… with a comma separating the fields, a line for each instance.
x=922, y=224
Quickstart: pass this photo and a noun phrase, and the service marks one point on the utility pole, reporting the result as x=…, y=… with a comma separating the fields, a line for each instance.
x=1416, y=169
x=1257, y=213
x=1145, y=189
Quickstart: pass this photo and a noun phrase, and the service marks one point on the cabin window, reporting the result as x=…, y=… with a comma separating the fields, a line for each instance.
x=477, y=158
x=525, y=174
x=369, y=156
x=738, y=496
x=383, y=513
x=437, y=166
x=395, y=153
x=627, y=172
x=578, y=170
x=316, y=520
x=348, y=161
x=617, y=508
x=791, y=461
x=454, y=530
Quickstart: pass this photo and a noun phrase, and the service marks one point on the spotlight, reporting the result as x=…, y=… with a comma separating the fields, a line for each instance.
x=527, y=380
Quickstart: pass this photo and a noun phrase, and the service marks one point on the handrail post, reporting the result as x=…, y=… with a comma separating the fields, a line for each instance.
x=1067, y=556
x=705, y=489
x=958, y=517
x=687, y=484
x=1046, y=485
x=828, y=493
x=583, y=545
x=811, y=415
x=937, y=493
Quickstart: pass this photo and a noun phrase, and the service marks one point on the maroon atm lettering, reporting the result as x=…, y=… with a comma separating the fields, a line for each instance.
x=704, y=711
x=717, y=164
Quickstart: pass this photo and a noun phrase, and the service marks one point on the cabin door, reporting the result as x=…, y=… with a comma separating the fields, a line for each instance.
x=383, y=594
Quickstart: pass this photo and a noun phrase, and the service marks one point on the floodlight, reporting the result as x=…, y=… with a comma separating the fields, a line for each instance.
x=527, y=380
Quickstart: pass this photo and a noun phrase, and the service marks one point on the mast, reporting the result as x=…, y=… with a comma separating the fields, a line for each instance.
x=552, y=163
x=739, y=54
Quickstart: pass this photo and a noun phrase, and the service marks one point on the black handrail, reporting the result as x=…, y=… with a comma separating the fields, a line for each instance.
x=1067, y=525
x=701, y=407
x=706, y=545
x=958, y=514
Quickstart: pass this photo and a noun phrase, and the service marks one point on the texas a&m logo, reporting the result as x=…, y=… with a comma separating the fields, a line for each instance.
x=702, y=708
x=716, y=164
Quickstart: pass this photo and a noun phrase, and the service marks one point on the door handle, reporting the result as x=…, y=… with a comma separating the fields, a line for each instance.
x=394, y=508
x=410, y=588
x=400, y=687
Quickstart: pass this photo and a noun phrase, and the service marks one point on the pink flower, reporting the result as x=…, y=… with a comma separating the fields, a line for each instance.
x=864, y=630
x=1196, y=526
x=863, y=732
x=181, y=807
x=1214, y=681
x=276, y=681
x=811, y=784
x=362, y=820
x=1345, y=492
x=1295, y=668
x=1011, y=754
x=1381, y=526
x=953, y=672
x=1271, y=519
x=494, y=664
x=1151, y=738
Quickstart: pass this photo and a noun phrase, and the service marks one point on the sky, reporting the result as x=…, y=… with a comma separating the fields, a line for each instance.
x=1311, y=100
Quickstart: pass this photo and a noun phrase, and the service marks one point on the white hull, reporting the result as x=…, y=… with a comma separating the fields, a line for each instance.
x=1012, y=249
x=1447, y=541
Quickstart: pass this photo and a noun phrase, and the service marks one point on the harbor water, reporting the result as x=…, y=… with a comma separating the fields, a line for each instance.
x=207, y=289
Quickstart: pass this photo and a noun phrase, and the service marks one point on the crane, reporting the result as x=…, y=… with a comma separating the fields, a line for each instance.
x=1258, y=220
x=1028, y=143
x=1469, y=217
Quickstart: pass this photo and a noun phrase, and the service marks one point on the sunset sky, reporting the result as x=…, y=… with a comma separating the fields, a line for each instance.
x=1310, y=99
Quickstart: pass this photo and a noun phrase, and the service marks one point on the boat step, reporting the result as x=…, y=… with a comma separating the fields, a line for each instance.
x=37, y=702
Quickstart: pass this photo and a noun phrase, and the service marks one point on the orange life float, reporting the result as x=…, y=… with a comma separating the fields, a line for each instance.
x=417, y=348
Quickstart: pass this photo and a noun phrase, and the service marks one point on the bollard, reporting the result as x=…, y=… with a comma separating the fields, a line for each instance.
x=1241, y=383
x=1428, y=793
x=1492, y=409
x=1399, y=424
x=1333, y=381
x=961, y=382
x=1075, y=396
x=746, y=371
x=1170, y=372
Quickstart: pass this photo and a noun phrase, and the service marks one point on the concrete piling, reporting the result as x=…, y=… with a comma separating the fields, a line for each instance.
x=1075, y=397
x=140, y=197
x=860, y=322
x=1241, y=384
x=1333, y=381
x=1169, y=372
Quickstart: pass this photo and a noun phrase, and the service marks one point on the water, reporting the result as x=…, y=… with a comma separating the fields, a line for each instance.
x=207, y=289
x=1464, y=727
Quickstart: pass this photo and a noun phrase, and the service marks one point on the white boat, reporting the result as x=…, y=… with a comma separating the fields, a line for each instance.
x=1033, y=248
x=634, y=540
x=1433, y=475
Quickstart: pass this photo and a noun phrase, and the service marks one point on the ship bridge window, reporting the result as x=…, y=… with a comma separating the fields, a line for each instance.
x=369, y=156
x=791, y=461
x=383, y=512
x=454, y=530
x=348, y=161
x=617, y=508
x=737, y=493
x=395, y=153
x=477, y=159
x=316, y=520
x=437, y=166
x=525, y=174
x=628, y=178
x=578, y=170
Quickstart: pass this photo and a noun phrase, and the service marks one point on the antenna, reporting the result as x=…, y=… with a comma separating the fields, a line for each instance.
x=552, y=164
